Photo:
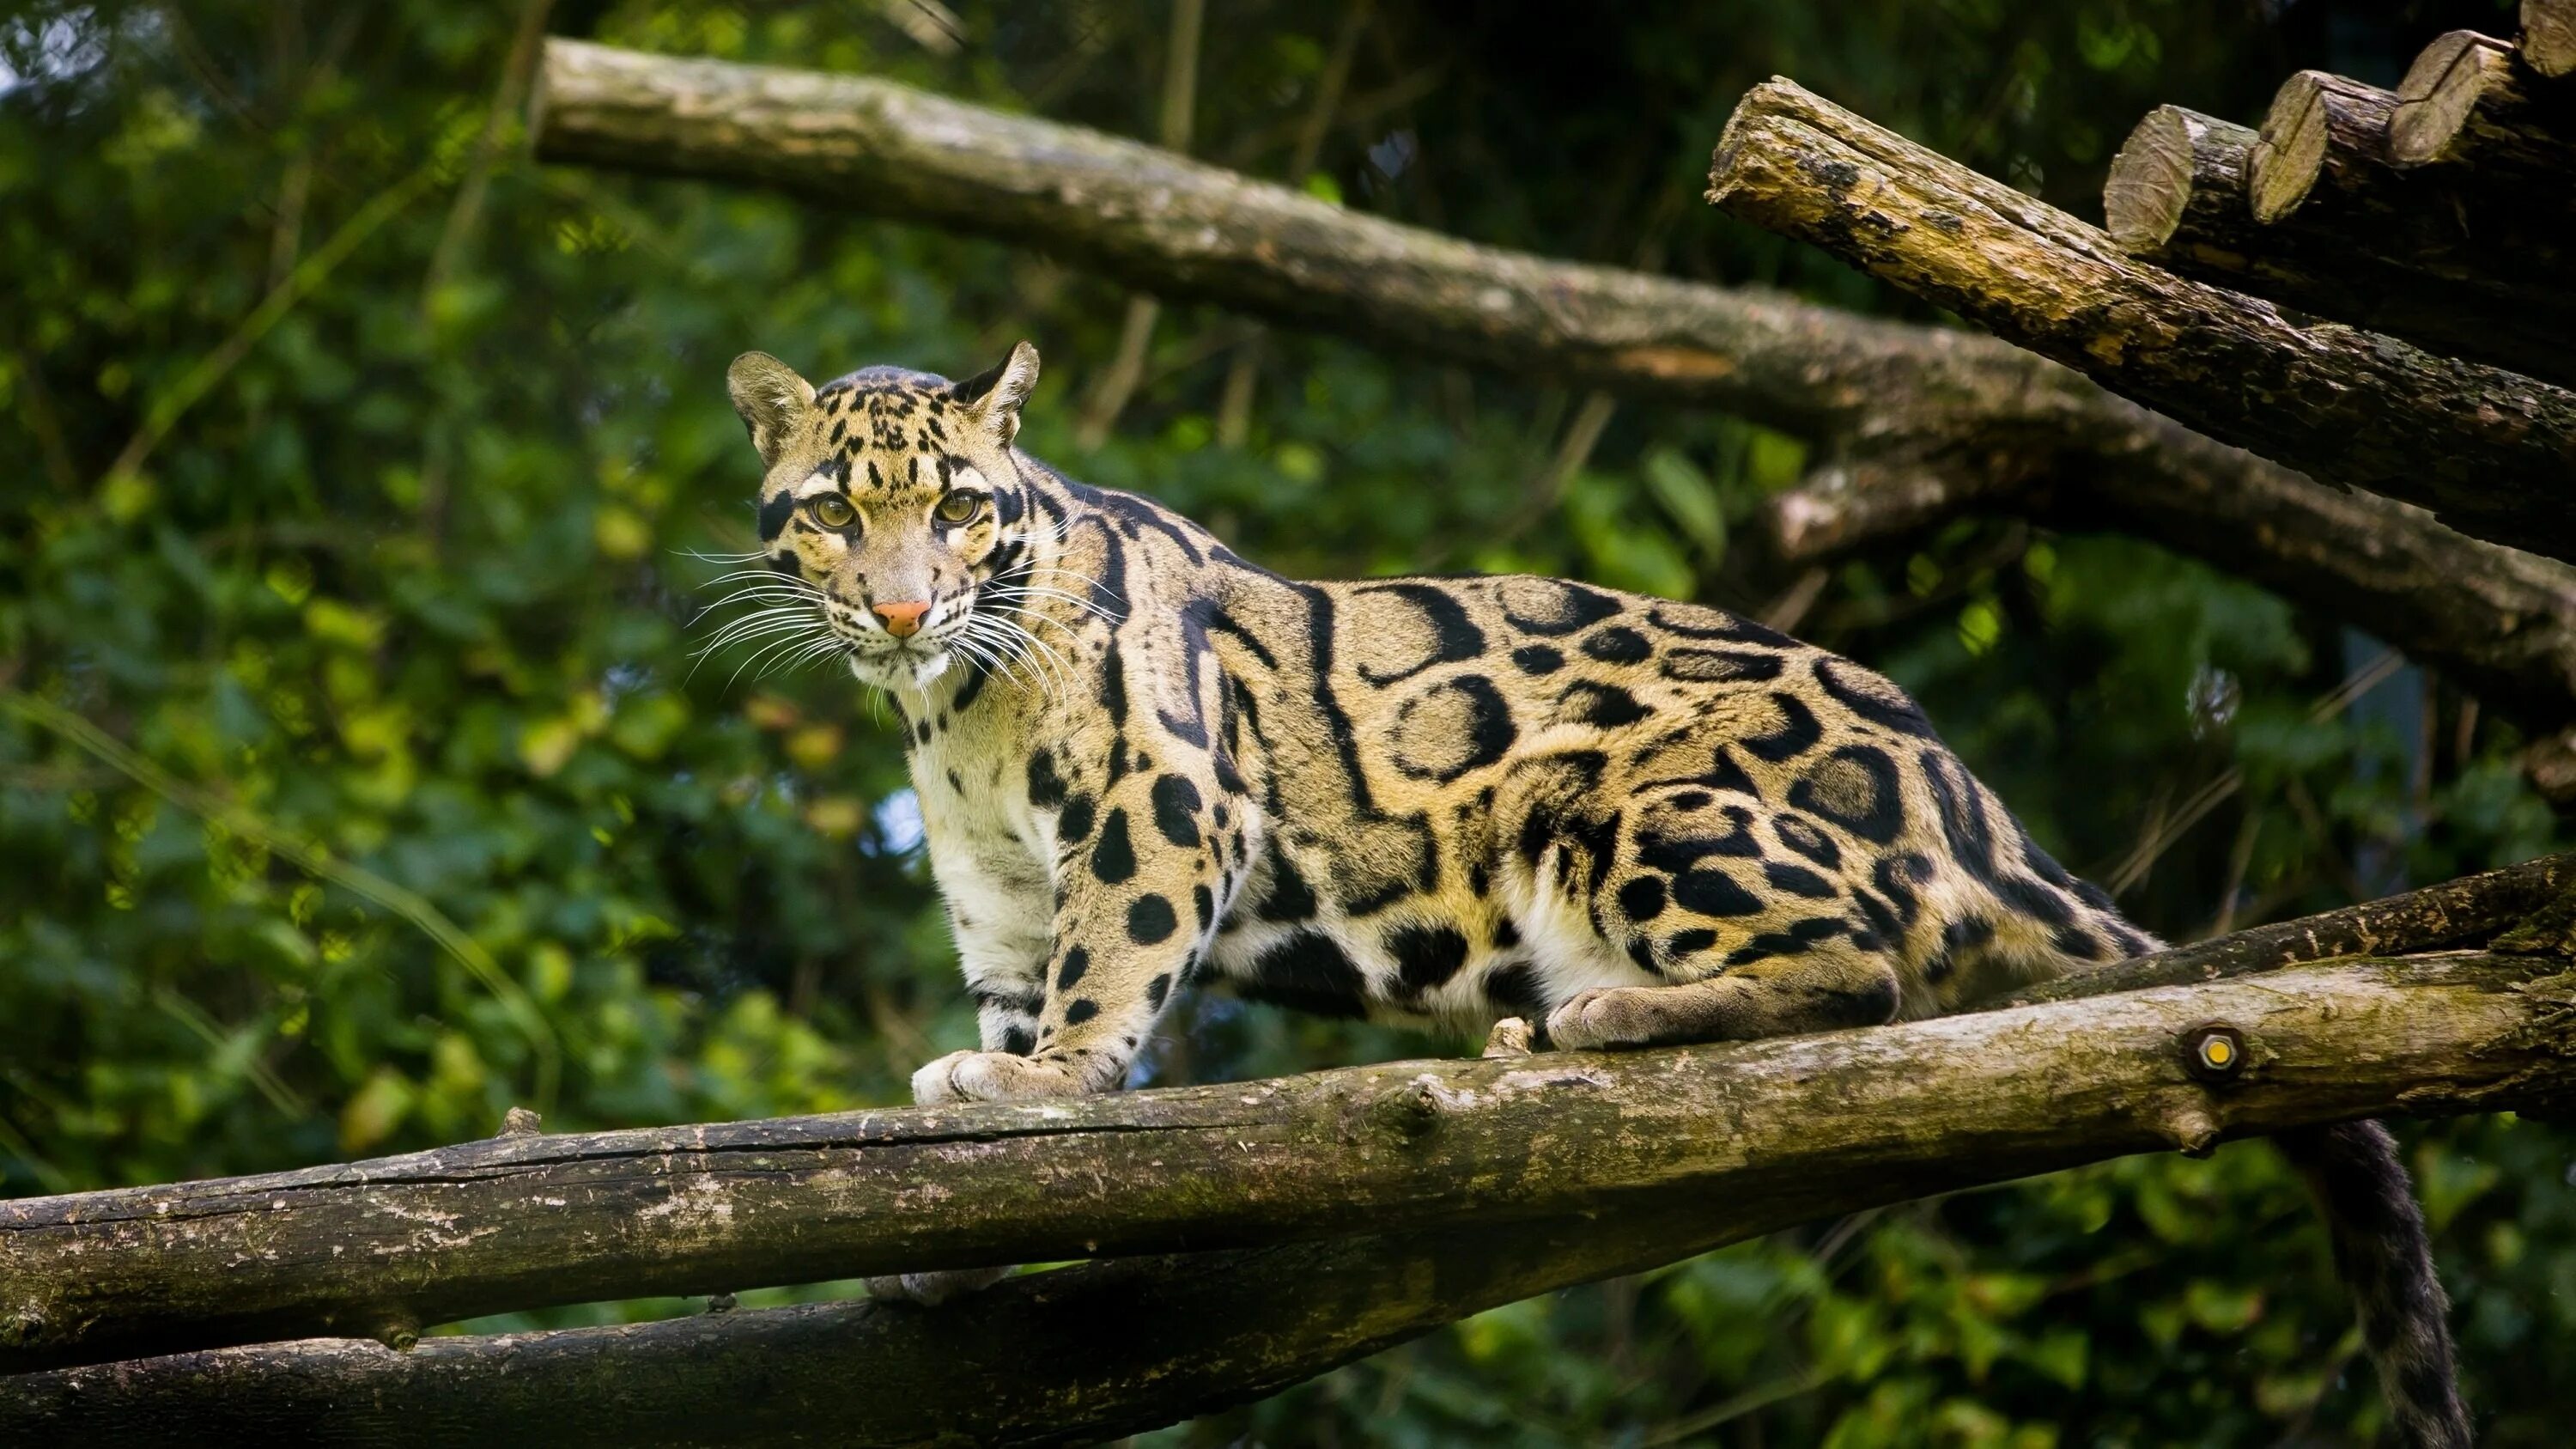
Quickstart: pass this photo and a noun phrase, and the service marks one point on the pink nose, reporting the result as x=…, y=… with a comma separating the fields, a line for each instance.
x=902, y=619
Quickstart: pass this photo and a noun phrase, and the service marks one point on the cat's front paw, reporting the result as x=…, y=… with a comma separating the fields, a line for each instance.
x=1610, y=1016
x=972, y=1076
x=935, y=1288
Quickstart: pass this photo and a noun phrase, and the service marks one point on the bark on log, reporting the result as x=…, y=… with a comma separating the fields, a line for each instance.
x=1689, y=1149
x=386, y=1247
x=2491, y=451
x=2549, y=36
x=2177, y=196
x=2497, y=622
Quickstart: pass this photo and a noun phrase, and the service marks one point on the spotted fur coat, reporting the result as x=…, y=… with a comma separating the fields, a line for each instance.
x=1146, y=765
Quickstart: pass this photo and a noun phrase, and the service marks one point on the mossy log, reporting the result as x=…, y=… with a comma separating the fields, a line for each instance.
x=2492, y=452
x=1482, y=1181
x=2177, y=196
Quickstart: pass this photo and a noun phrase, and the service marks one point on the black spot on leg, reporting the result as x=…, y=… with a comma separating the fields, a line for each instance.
x=1076, y=962
x=1114, y=858
x=1307, y=972
x=1075, y=823
x=1538, y=659
x=1642, y=899
x=1425, y=956
x=1689, y=943
x=1714, y=893
x=1150, y=920
x=1083, y=1009
x=1796, y=940
x=1513, y=989
x=1203, y=902
x=1176, y=807
x=1157, y=989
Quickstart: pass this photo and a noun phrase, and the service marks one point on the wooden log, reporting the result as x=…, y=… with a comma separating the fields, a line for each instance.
x=2469, y=102
x=2549, y=37
x=2178, y=185
x=2492, y=452
x=386, y=1247
x=1739, y=1139
x=2481, y=205
x=2177, y=196
x=2321, y=129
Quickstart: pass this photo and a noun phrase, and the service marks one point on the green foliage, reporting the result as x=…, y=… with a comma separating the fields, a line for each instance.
x=357, y=780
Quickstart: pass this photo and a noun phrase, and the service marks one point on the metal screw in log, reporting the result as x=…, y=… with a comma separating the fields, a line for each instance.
x=2214, y=1052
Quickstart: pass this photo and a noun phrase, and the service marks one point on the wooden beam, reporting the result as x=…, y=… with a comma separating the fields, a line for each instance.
x=2492, y=452
x=2177, y=196
x=1634, y=1159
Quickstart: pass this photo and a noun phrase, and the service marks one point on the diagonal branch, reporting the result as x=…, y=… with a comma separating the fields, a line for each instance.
x=2491, y=451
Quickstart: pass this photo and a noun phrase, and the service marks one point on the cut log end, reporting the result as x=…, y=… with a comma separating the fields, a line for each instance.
x=2549, y=36
x=2176, y=163
x=2317, y=121
x=2441, y=91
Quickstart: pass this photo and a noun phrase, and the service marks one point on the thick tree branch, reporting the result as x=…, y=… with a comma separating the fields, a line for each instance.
x=383, y=1248
x=2491, y=450
x=1634, y=1160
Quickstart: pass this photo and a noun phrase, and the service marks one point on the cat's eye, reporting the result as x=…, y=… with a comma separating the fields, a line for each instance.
x=833, y=511
x=959, y=508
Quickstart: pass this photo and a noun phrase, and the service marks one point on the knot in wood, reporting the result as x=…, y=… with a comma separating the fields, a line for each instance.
x=520, y=1122
x=2214, y=1052
x=1410, y=1111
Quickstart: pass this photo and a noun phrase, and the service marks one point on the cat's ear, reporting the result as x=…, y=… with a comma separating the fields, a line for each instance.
x=994, y=396
x=771, y=398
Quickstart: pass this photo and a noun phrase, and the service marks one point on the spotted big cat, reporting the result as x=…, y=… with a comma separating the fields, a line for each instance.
x=1147, y=766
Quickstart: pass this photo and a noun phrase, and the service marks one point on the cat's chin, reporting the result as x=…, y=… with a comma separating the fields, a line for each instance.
x=901, y=669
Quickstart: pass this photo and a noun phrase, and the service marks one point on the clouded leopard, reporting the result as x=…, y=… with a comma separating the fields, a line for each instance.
x=1146, y=765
